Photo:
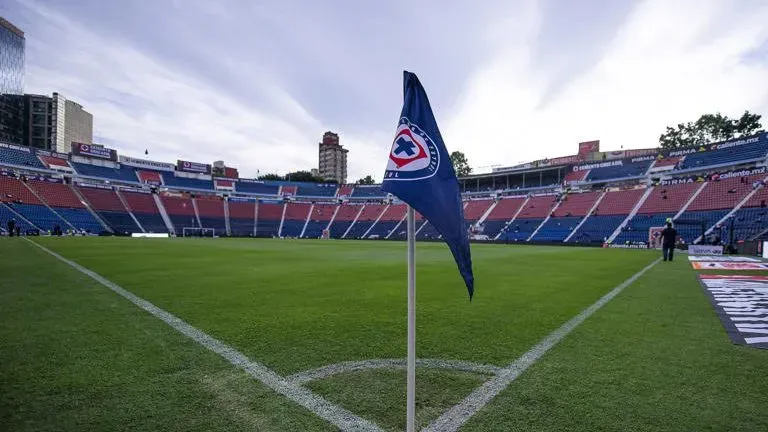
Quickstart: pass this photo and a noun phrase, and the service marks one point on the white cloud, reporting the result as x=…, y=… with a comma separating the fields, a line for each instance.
x=669, y=63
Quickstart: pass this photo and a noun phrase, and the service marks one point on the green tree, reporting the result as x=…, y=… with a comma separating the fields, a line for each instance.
x=710, y=128
x=460, y=164
x=367, y=180
x=273, y=177
x=303, y=176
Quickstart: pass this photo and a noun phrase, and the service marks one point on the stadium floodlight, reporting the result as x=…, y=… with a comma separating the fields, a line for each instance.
x=198, y=232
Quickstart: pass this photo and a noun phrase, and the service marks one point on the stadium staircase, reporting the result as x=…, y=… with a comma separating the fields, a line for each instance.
x=333, y=217
x=164, y=214
x=128, y=209
x=514, y=216
x=549, y=216
x=736, y=208
x=631, y=214
x=282, y=218
x=400, y=222
x=8, y=212
x=487, y=213
x=50, y=209
x=306, y=222
x=589, y=213
x=386, y=207
x=227, y=224
x=88, y=207
x=690, y=200
x=354, y=221
x=197, y=212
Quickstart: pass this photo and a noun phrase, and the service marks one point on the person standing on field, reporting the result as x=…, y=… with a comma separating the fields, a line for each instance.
x=668, y=238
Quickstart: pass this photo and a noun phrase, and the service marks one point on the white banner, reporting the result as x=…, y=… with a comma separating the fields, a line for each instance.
x=705, y=250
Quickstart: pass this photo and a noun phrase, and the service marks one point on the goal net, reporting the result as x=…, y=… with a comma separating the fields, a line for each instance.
x=198, y=232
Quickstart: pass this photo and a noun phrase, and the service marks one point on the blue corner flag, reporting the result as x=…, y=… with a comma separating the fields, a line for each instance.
x=420, y=172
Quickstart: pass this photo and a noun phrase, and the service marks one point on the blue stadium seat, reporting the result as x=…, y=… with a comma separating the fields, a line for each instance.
x=557, y=228
x=689, y=232
x=267, y=228
x=121, y=222
x=597, y=229
x=620, y=171
x=81, y=219
x=358, y=229
x=186, y=183
x=316, y=189
x=256, y=188
x=41, y=216
x=124, y=173
x=315, y=229
x=520, y=229
x=151, y=222
x=428, y=232
x=338, y=228
x=366, y=191
x=6, y=215
x=241, y=227
x=292, y=228
x=637, y=228
x=725, y=156
x=383, y=228
x=19, y=157
x=747, y=223
x=217, y=223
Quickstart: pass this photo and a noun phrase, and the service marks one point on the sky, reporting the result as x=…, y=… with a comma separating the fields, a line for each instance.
x=257, y=83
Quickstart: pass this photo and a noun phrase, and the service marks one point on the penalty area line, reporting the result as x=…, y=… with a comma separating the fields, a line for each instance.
x=334, y=414
x=459, y=414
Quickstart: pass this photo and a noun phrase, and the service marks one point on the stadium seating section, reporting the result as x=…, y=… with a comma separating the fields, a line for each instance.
x=701, y=201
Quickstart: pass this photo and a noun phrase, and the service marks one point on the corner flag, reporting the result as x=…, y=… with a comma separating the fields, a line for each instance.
x=420, y=172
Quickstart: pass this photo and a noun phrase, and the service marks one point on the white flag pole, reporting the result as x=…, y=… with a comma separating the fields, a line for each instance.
x=411, y=362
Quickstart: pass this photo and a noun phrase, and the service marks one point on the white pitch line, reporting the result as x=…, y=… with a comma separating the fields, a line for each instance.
x=337, y=416
x=460, y=413
x=354, y=366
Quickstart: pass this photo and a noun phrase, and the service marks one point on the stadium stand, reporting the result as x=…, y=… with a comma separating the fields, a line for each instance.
x=7, y=214
x=210, y=208
x=390, y=219
x=727, y=154
x=368, y=191
x=64, y=202
x=504, y=211
x=181, y=211
x=629, y=169
x=318, y=220
x=295, y=218
x=150, y=177
x=316, y=189
x=269, y=216
x=345, y=190
x=368, y=217
x=108, y=205
x=13, y=190
x=344, y=218
x=122, y=174
x=576, y=176
x=184, y=183
x=19, y=156
x=144, y=208
x=242, y=220
x=40, y=215
x=256, y=187
x=567, y=216
x=608, y=215
x=54, y=162
x=475, y=209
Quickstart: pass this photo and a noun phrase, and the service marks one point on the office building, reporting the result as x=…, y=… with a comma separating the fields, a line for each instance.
x=11, y=82
x=332, y=163
x=54, y=123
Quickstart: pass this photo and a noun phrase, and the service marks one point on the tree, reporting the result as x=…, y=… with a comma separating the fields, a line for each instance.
x=367, y=180
x=460, y=164
x=303, y=176
x=710, y=128
x=273, y=177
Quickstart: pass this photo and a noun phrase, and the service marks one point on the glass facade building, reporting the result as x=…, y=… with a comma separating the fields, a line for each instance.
x=11, y=83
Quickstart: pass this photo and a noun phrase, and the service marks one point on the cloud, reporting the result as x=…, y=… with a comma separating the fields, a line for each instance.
x=510, y=81
x=669, y=62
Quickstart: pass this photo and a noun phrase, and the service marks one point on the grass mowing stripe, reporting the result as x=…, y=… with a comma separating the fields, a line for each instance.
x=339, y=417
x=458, y=415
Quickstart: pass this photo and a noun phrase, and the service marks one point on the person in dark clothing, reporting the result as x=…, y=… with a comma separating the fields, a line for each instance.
x=18, y=231
x=668, y=237
x=11, y=227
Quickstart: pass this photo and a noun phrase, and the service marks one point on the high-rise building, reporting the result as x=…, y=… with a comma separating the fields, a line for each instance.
x=54, y=123
x=11, y=82
x=332, y=163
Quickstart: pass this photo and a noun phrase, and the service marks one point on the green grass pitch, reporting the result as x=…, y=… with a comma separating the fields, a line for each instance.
x=75, y=356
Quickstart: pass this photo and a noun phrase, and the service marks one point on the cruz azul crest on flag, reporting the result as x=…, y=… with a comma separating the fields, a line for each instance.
x=414, y=155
